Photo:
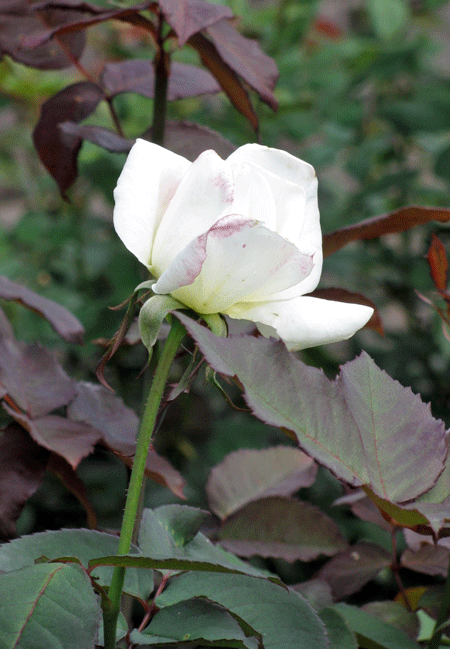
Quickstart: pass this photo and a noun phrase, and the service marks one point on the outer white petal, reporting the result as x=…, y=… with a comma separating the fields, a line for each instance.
x=305, y=321
x=237, y=260
x=205, y=194
x=299, y=224
x=147, y=183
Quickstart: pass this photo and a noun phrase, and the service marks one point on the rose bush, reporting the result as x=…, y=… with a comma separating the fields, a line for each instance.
x=240, y=237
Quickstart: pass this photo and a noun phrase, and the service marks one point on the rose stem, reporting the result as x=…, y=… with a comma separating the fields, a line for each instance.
x=161, y=65
x=110, y=615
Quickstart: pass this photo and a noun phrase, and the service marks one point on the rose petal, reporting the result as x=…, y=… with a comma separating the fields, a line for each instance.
x=239, y=260
x=205, y=194
x=147, y=183
x=301, y=225
x=304, y=321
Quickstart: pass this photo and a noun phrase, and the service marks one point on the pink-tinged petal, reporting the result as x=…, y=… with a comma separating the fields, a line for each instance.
x=205, y=194
x=293, y=184
x=305, y=321
x=147, y=183
x=237, y=260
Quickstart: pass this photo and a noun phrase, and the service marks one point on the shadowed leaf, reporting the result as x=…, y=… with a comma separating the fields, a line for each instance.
x=377, y=226
x=187, y=17
x=195, y=620
x=364, y=426
x=20, y=19
x=23, y=465
x=285, y=528
x=71, y=440
x=430, y=559
x=396, y=614
x=226, y=76
x=250, y=474
x=352, y=569
x=58, y=151
x=117, y=426
x=62, y=469
x=33, y=378
x=60, y=319
x=138, y=75
x=103, y=137
x=281, y=616
x=246, y=58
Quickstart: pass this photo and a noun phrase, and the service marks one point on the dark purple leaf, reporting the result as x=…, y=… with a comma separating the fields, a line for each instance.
x=23, y=464
x=72, y=440
x=246, y=58
x=62, y=469
x=117, y=426
x=251, y=474
x=226, y=76
x=138, y=75
x=57, y=151
x=62, y=321
x=190, y=140
x=20, y=20
x=349, y=571
x=86, y=15
x=33, y=379
x=187, y=17
x=430, y=559
x=364, y=426
x=285, y=528
x=103, y=137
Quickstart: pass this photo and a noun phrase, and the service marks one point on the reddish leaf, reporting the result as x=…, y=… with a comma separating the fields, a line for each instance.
x=377, y=226
x=58, y=152
x=364, y=508
x=86, y=16
x=33, y=379
x=349, y=571
x=437, y=260
x=62, y=321
x=72, y=440
x=364, y=426
x=428, y=560
x=246, y=58
x=19, y=20
x=188, y=17
x=285, y=528
x=250, y=474
x=190, y=140
x=59, y=467
x=138, y=75
x=226, y=76
x=118, y=426
x=23, y=465
x=342, y=295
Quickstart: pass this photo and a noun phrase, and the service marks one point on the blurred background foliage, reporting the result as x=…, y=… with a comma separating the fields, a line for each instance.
x=364, y=95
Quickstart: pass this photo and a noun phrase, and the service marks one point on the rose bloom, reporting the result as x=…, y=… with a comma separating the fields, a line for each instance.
x=240, y=237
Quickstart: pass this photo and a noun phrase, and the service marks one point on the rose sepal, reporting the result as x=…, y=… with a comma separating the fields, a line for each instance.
x=151, y=317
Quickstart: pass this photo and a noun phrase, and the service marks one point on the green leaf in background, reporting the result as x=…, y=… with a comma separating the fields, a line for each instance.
x=167, y=532
x=283, y=618
x=194, y=621
x=49, y=605
x=373, y=633
x=82, y=544
x=339, y=634
x=388, y=16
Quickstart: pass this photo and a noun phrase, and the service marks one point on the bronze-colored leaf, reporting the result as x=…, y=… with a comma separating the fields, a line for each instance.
x=377, y=226
x=188, y=17
x=438, y=263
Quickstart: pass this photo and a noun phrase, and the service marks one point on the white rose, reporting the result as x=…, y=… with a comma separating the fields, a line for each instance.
x=240, y=237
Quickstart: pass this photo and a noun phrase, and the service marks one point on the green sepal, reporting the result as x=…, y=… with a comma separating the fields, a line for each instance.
x=147, y=284
x=216, y=323
x=151, y=317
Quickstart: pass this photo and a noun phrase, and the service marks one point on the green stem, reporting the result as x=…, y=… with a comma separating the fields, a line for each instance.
x=443, y=614
x=110, y=615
